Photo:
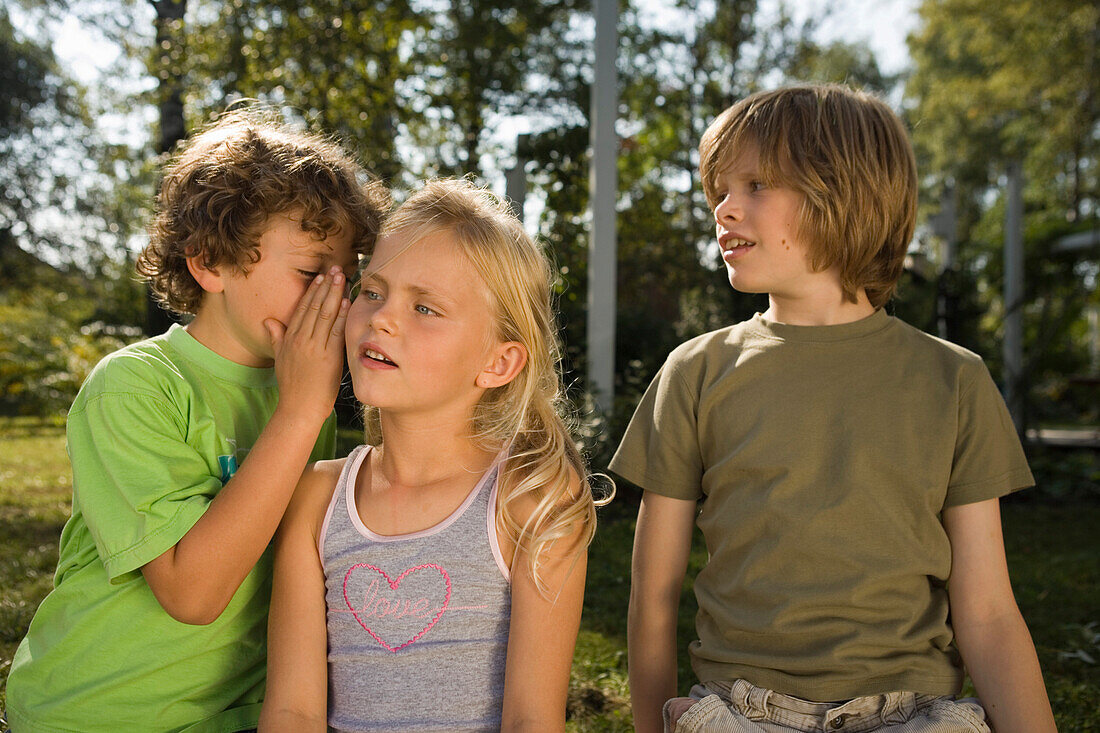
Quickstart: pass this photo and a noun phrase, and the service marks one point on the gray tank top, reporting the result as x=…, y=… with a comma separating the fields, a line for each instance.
x=417, y=623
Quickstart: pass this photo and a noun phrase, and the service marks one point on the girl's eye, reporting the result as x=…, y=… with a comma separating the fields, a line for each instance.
x=755, y=186
x=309, y=275
x=425, y=310
x=370, y=294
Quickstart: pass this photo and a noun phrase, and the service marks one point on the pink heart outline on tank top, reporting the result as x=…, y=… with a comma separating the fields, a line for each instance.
x=393, y=586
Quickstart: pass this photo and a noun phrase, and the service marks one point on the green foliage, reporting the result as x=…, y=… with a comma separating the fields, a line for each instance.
x=481, y=60
x=1008, y=79
x=376, y=72
x=25, y=69
x=1064, y=473
x=994, y=82
x=347, y=84
x=57, y=172
x=54, y=331
x=839, y=63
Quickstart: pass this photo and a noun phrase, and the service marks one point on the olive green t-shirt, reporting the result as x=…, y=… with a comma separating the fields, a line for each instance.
x=822, y=458
x=157, y=429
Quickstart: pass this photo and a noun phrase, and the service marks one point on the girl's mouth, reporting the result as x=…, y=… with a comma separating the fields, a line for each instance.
x=375, y=356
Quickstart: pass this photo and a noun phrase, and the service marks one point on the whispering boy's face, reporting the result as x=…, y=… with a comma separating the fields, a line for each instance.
x=757, y=229
x=230, y=320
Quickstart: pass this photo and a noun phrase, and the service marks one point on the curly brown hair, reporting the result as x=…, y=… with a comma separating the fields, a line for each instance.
x=224, y=184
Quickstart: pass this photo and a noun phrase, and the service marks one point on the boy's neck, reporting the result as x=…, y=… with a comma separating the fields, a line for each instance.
x=828, y=309
x=209, y=327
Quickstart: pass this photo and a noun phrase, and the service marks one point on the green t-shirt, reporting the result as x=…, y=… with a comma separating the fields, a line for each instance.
x=823, y=457
x=156, y=431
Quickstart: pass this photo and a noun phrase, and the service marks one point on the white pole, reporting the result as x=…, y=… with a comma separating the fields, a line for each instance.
x=603, y=189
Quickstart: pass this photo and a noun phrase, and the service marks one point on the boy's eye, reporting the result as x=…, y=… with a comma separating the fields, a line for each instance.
x=309, y=274
x=425, y=310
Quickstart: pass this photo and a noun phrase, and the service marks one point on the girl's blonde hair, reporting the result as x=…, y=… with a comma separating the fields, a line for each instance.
x=525, y=416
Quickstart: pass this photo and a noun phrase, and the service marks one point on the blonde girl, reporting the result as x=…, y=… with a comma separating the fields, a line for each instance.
x=432, y=580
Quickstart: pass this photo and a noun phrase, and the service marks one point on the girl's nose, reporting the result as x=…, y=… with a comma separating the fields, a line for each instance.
x=382, y=319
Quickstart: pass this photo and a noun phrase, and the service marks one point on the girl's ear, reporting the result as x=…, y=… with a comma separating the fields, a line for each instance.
x=207, y=277
x=508, y=359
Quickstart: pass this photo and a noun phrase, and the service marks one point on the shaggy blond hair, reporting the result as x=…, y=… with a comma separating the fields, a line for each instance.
x=525, y=416
x=224, y=184
x=849, y=157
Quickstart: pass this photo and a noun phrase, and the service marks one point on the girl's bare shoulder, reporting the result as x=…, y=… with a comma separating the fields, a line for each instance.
x=314, y=492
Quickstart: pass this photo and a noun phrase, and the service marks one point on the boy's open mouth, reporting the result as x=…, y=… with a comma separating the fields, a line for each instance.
x=732, y=243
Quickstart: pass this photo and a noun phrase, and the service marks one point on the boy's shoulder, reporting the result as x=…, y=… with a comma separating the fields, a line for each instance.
x=880, y=338
x=919, y=343
x=172, y=366
x=711, y=344
x=138, y=366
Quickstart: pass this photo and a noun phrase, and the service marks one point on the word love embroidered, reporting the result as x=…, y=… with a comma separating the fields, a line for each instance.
x=397, y=612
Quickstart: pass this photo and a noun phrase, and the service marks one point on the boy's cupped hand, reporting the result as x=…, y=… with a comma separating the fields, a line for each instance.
x=309, y=350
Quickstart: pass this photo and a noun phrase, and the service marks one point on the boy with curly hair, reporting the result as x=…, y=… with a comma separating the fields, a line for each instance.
x=844, y=467
x=186, y=447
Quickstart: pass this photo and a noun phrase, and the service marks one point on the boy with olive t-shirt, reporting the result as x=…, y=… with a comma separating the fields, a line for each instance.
x=846, y=466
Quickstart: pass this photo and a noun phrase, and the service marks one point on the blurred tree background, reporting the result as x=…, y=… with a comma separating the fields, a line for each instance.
x=428, y=87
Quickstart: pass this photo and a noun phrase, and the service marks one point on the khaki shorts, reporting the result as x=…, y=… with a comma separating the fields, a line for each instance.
x=740, y=707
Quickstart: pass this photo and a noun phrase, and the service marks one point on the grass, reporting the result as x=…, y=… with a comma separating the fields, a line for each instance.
x=35, y=494
x=1053, y=552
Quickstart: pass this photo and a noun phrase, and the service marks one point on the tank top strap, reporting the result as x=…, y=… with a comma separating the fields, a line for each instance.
x=347, y=476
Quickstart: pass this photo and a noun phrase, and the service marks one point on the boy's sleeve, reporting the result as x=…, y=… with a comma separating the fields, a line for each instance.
x=989, y=461
x=138, y=483
x=660, y=450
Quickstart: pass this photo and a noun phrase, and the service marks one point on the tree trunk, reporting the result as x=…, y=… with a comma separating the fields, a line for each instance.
x=166, y=66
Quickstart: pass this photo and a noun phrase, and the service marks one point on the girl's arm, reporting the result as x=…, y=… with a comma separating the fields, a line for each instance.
x=662, y=543
x=297, y=638
x=989, y=630
x=542, y=635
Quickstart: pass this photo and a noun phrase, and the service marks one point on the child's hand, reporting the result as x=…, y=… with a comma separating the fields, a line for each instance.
x=309, y=351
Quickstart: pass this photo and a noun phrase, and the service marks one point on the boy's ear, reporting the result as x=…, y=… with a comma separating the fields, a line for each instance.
x=508, y=359
x=207, y=277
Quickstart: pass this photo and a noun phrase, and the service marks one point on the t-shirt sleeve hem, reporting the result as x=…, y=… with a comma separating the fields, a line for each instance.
x=652, y=483
x=155, y=543
x=245, y=717
x=1007, y=483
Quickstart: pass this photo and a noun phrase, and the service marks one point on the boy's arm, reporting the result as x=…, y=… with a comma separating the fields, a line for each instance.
x=662, y=543
x=297, y=637
x=195, y=580
x=542, y=634
x=989, y=630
